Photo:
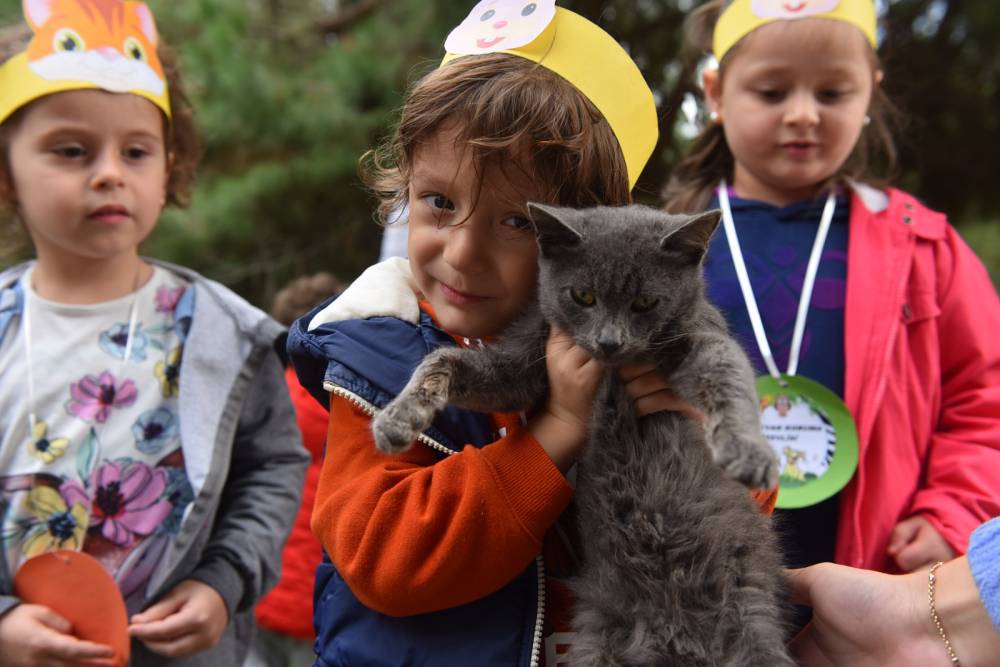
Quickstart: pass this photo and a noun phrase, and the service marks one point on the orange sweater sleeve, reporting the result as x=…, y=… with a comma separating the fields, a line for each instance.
x=415, y=533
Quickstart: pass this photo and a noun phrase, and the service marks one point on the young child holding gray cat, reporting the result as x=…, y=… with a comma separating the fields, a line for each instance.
x=452, y=552
x=902, y=320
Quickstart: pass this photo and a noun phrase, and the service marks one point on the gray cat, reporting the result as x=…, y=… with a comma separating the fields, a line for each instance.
x=680, y=566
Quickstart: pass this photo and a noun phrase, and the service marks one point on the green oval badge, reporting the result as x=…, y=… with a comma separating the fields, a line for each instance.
x=814, y=436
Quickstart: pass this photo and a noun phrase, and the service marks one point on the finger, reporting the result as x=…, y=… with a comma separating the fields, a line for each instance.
x=560, y=338
x=801, y=581
x=915, y=556
x=159, y=611
x=83, y=662
x=904, y=533
x=179, y=647
x=629, y=372
x=167, y=630
x=806, y=651
x=645, y=384
x=52, y=620
x=69, y=648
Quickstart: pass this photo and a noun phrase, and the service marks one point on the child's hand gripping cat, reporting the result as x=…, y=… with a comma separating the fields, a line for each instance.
x=652, y=311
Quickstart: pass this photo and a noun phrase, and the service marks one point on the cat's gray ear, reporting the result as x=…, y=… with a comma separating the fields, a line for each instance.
x=689, y=241
x=554, y=232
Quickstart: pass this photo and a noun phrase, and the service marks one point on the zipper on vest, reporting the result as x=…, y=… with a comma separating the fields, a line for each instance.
x=370, y=410
x=536, y=640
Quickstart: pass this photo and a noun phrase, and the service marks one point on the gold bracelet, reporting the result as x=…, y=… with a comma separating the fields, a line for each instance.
x=934, y=615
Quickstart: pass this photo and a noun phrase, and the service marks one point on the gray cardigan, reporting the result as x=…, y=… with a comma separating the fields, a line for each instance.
x=243, y=455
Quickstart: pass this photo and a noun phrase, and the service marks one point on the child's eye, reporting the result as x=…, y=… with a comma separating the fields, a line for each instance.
x=771, y=94
x=515, y=227
x=830, y=95
x=70, y=152
x=135, y=153
x=439, y=202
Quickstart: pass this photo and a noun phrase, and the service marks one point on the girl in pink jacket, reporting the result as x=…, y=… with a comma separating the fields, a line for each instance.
x=872, y=324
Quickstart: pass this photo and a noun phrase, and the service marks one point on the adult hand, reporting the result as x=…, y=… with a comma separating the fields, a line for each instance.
x=864, y=619
x=650, y=392
x=916, y=545
x=35, y=636
x=574, y=378
x=191, y=618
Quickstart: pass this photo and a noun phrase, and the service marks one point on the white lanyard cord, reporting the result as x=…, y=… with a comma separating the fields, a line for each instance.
x=807, y=285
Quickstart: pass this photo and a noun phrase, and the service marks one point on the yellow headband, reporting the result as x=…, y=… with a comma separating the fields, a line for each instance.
x=85, y=44
x=744, y=16
x=578, y=51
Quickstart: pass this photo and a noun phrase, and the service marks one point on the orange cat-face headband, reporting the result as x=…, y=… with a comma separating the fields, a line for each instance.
x=85, y=44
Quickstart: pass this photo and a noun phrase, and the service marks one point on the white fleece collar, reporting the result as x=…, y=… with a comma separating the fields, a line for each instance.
x=875, y=200
x=385, y=289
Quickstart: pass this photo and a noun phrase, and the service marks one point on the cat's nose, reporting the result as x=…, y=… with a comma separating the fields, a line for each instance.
x=608, y=347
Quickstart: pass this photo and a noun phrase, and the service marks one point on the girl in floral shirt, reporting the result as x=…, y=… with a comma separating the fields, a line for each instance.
x=143, y=414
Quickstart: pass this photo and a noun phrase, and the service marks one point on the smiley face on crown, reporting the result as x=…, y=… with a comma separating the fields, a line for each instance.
x=790, y=9
x=495, y=25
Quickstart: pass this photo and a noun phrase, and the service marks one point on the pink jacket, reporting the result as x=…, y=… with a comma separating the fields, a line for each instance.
x=922, y=345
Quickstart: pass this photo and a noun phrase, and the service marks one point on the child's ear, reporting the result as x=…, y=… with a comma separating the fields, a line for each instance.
x=711, y=84
x=554, y=232
x=689, y=242
x=7, y=202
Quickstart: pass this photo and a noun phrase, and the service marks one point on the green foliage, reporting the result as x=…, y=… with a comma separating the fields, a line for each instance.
x=984, y=237
x=286, y=109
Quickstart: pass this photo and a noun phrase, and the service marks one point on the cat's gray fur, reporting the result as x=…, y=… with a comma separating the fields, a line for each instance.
x=680, y=566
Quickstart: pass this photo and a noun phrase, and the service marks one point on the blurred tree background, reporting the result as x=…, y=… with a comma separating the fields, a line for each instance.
x=290, y=93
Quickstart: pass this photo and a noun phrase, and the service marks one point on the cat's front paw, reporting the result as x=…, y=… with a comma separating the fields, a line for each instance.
x=397, y=426
x=747, y=459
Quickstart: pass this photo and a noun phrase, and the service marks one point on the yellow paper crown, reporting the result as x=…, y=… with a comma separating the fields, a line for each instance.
x=744, y=16
x=578, y=51
x=85, y=44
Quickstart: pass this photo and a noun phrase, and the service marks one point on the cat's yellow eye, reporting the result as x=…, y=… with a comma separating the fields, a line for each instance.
x=583, y=297
x=67, y=40
x=134, y=50
x=643, y=304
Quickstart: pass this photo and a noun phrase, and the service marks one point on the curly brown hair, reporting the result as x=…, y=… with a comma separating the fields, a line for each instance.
x=709, y=159
x=180, y=132
x=513, y=114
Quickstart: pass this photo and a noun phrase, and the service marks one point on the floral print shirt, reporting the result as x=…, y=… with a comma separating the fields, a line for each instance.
x=101, y=467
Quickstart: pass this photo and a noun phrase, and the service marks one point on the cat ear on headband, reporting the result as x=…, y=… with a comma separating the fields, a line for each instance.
x=554, y=231
x=689, y=240
x=37, y=12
